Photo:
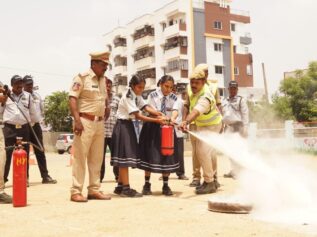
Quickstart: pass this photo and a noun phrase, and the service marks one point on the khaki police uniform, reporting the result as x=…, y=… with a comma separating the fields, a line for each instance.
x=213, y=87
x=90, y=92
x=203, y=154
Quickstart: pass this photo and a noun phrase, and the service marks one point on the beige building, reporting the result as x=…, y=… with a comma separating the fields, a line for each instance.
x=178, y=36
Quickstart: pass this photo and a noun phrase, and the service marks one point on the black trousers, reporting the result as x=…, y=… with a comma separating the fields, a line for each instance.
x=10, y=133
x=108, y=143
x=179, y=153
x=40, y=155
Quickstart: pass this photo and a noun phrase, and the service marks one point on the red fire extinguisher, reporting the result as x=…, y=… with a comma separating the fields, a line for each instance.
x=167, y=140
x=19, y=198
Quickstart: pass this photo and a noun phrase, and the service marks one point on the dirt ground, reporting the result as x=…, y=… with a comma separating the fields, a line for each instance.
x=50, y=213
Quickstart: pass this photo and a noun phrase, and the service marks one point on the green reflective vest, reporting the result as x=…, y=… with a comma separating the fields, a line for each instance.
x=213, y=116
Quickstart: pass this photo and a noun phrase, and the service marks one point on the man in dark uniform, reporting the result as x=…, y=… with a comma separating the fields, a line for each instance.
x=16, y=122
x=38, y=117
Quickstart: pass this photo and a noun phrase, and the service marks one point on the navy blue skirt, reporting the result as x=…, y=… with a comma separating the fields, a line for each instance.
x=124, y=145
x=150, y=151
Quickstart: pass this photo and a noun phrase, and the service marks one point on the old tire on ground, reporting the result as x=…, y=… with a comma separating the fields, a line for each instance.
x=69, y=150
x=60, y=152
x=228, y=206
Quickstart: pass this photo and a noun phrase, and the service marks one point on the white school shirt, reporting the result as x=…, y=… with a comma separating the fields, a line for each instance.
x=172, y=103
x=179, y=105
x=156, y=98
x=129, y=104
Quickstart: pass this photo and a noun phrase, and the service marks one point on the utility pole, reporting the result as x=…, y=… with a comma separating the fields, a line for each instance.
x=265, y=83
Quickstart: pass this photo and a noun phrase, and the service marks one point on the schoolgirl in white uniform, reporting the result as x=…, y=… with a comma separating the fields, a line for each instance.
x=150, y=138
x=124, y=149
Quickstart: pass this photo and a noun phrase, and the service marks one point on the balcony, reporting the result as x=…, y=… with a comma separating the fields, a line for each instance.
x=149, y=75
x=120, y=51
x=246, y=39
x=180, y=76
x=174, y=30
x=119, y=41
x=150, y=83
x=144, y=62
x=144, y=41
x=120, y=69
x=177, y=52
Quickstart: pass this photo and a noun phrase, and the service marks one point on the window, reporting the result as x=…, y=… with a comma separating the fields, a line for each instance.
x=218, y=25
x=183, y=64
x=218, y=69
x=218, y=47
x=233, y=27
x=249, y=70
x=236, y=71
x=234, y=49
x=163, y=26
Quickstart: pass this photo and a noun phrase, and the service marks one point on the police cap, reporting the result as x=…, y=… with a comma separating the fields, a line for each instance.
x=233, y=84
x=100, y=56
x=15, y=79
x=28, y=79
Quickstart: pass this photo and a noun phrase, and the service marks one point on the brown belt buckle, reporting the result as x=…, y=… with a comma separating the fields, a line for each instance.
x=18, y=126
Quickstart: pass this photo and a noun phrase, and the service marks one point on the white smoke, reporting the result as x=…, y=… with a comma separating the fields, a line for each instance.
x=281, y=186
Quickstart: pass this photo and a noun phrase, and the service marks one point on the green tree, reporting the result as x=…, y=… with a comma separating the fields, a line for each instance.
x=57, y=112
x=298, y=96
x=264, y=115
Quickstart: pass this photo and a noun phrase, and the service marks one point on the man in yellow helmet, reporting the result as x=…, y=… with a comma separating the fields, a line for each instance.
x=203, y=112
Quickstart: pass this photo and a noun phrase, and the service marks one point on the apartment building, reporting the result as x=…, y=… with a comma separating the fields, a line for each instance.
x=178, y=36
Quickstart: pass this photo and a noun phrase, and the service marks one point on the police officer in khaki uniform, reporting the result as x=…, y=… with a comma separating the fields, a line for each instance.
x=202, y=108
x=213, y=87
x=87, y=98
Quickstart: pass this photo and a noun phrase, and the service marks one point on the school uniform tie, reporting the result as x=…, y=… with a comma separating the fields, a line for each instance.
x=163, y=105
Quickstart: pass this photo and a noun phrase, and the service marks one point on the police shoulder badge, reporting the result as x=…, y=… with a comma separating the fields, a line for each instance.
x=76, y=86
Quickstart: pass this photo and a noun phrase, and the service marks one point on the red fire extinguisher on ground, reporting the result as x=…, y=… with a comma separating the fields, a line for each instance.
x=19, y=176
x=167, y=140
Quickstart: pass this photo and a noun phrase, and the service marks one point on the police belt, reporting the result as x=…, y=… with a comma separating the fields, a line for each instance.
x=91, y=117
x=236, y=126
x=16, y=126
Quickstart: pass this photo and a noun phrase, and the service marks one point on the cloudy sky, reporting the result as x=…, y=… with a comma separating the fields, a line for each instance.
x=51, y=39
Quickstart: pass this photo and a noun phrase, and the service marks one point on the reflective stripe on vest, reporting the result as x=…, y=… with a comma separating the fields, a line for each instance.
x=213, y=116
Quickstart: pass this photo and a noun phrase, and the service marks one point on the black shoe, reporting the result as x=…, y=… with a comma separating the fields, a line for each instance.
x=5, y=198
x=147, y=189
x=217, y=184
x=207, y=188
x=183, y=177
x=195, y=183
x=48, y=180
x=166, y=190
x=118, y=190
x=203, y=185
x=230, y=175
x=130, y=193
